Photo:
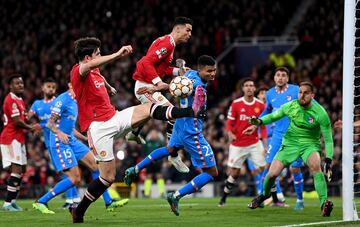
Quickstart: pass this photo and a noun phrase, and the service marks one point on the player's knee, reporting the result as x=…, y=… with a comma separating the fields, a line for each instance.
x=214, y=172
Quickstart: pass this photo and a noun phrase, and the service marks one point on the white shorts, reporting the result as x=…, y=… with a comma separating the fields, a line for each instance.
x=101, y=133
x=13, y=153
x=238, y=155
x=156, y=97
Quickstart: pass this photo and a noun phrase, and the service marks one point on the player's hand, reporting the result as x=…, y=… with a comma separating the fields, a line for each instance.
x=338, y=124
x=250, y=130
x=112, y=91
x=144, y=90
x=327, y=169
x=36, y=128
x=231, y=136
x=64, y=138
x=125, y=50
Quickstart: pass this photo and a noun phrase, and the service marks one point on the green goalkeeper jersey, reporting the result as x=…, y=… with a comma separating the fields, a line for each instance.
x=305, y=125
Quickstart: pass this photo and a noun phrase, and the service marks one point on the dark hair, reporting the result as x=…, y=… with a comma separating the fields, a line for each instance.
x=263, y=88
x=49, y=80
x=86, y=46
x=182, y=21
x=246, y=79
x=13, y=77
x=204, y=60
x=283, y=69
x=308, y=83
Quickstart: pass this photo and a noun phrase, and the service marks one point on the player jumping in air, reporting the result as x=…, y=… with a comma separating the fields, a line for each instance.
x=187, y=134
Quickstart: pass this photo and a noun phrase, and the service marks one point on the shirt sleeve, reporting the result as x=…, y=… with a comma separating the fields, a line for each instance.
x=326, y=130
x=11, y=108
x=33, y=108
x=268, y=107
x=154, y=57
x=231, y=117
x=280, y=113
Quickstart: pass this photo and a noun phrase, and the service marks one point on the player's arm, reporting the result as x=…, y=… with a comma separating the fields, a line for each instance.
x=268, y=106
x=79, y=136
x=22, y=124
x=51, y=124
x=85, y=68
x=110, y=89
x=326, y=131
x=230, y=123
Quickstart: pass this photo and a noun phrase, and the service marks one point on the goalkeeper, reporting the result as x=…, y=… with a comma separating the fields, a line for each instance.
x=302, y=139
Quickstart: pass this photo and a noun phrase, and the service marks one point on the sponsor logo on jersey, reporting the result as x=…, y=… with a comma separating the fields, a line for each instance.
x=161, y=52
x=288, y=98
x=98, y=84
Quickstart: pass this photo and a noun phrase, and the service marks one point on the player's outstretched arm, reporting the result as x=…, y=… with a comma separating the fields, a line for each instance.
x=326, y=131
x=22, y=124
x=64, y=138
x=79, y=136
x=103, y=60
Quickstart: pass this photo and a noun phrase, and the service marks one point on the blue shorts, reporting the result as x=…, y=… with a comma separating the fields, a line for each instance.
x=274, y=147
x=66, y=156
x=202, y=156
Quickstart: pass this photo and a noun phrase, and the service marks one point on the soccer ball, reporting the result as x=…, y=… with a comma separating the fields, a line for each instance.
x=181, y=87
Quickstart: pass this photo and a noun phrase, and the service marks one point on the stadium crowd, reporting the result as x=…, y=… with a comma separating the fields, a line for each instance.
x=37, y=41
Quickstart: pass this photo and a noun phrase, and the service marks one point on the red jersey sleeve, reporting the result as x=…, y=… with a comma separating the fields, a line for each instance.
x=231, y=117
x=11, y=108
x=158, y=51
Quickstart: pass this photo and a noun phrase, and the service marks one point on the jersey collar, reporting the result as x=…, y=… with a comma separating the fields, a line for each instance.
x=49, y=100
x=282, y=91
x=15, y=96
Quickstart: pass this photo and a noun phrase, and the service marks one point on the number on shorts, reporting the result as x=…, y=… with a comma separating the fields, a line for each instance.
x=67, y=153
x=208, y=151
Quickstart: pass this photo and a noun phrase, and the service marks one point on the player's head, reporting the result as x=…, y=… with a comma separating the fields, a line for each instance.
x=182, y=28
x=207, y=67
x=49, y=87
x=248, y=87
x=306, y=93
x=261, y=93
x=16, y=84
x=281, y=76
x=87, y=48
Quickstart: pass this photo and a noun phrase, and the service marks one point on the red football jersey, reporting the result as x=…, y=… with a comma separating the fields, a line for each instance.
x=13, y=106
x=92, y=97
x=238, y=120
x=157, y=61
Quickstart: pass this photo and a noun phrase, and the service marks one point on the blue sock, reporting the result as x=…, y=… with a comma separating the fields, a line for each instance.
x=60, y=187
x=262, y=179
x=258, y=182
x=278, y=186
x=74, y=193
x=68, y=193
x=152, y=157
x=298, y=185
x=196, y=184
x=106, y=195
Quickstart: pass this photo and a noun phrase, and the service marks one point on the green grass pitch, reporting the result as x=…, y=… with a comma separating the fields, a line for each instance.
x=193, y=212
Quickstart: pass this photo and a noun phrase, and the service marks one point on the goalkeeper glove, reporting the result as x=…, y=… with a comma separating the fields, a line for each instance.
x=327, y=168
x=255, y=121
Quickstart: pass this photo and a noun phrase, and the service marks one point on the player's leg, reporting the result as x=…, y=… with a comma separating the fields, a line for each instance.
x=272, y=151
x=14, y=158
x=88, y=159
x=295, y=169
x=71, y=195
x=313, y=160
x=202, y=157
x=237, y=156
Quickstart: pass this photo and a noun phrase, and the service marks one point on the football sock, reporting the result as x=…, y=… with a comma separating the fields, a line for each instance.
x=93, y=192
x=75, y=195
x=298, y=184
x=69, y=192
x=152, y=157
x=106, y=195
x=161, y=186
x=137, y=131
x=320, y=186
x=264, y=173
x=267, y=186
x=170, y=112
x=258, y=182
x=147, y=187
x=59, y=188
x=13, y=187
x=229, y=185
x=196, y=184
x=278, y=185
